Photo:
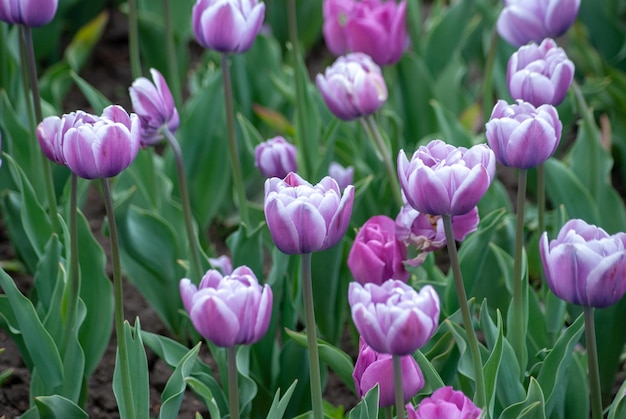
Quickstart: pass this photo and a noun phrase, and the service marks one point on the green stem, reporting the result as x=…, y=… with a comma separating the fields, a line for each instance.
x=480, y=397
x=488, y=80
x=383, y=153
x=184, y=198
x=518, y=339
x=45, y=164
x=74, y=272
x=133, y=40
x=592, y=361
x=388, y=412
x=119, y=302
x=172, y=59
x=414, y=11
x=397, y=385
x=541, y=198
x=232, y=142
x=587, y=116
x=233, y=388
x=311, y=337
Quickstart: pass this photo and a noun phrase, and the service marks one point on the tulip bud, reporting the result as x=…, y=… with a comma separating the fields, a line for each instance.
x=521, y=135
x=445, y=402
x=540, y=74
x=275, y=158
x=585, y=265
x=154, y=104
x=343, y=175
x=32, y=13
x=303, y=218
x=228, y=310
x=353, y=86
x=373, y=368
x=228, y=26
x=223, y=263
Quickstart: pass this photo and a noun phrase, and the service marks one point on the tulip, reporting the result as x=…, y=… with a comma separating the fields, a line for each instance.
x=521, y=135
x=227, y=26
x=343, y=175
x=374, y=27
x=33, y=13
x=275, y=158
x=445, y=402
x=92, y=147
x=353, y=86
x=393, y=318
x=303, y=218
x=376, y=254
x=228, y=310
x=223, y=263
x=441, y=179
x=154, y=104
x=373, y=368
x=585, y=265
x=522, y=21
x=540, y=74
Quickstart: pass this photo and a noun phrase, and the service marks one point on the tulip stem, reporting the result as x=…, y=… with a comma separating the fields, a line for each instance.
x=480, y=396
x=232, y=142
x=592, y=362
x=196, y=266
x=541, y=197
x=172, y=59
x=397, y=385
x=133, y=39
x=127, y=392
x=73, y=268
x=488, y=80
x=311, y=337
x=233, y=387
x=371, y=127
x=518, y=339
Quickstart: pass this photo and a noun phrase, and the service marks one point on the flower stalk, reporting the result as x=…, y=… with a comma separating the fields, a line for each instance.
x=592, y=362
x=133, y=39
x=74, y=272
x=172, y=59
x=518, y=339
x=397, y=386
x=233, y=387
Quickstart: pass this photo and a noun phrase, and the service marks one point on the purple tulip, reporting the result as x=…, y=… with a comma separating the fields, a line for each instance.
x=154, y=104
x=92, y=147
x=441, y=179
x=343, y=175
x=522, y=21
x=228, y=310
x=228, y=26
x=223, y=263
x=521, y=135
x=303, y=218
x=445, y=402
x=376, y=255
x=374, y=27
x=353, y=86
x=32, y=13
x=540, y=74
x=275, y=158
x=373, y=368
x=392, y=317
x=585, y=265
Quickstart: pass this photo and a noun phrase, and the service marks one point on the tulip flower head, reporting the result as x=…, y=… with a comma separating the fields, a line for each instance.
x=521, y=135
x=376, y=254
x=223, y=264
x=585, y=265
x=33, y=13
x=227, y=26
x=303, y=218
x=154, y=104
x=343, y=175
x=441, y=179
x=393, y=318
x=91, y=146
x=523, y=21
x=353, y=86
x=228, y=310
x=373, y=368
x=445, y=402
x=275, y=158
x=540, y=74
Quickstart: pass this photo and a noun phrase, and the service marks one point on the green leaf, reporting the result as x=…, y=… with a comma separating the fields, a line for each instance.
x=367, y=408
x=279, y=404
x=532, y=407
x=203, y=391
x=95, y=98
x=453, y=132
x=58, y=407
x=174, y=390
x=617, y=409
x=492, y=366
x=83, y=43
x=431, y=376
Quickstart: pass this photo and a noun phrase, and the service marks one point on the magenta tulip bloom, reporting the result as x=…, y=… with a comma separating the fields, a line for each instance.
x=303, y=218
x=445, y=402
x=373, y=368
x=522, y=21
x=376, y=254
x=352, y=87
x=343, y=175
x=154, y=104
x=228, y=310
x=540, y=74
x=585, y=265
x=228, y=26
x=442, y=179
x=92, y=147
x=275, y=158
x=521, y=135
x=392, y=317
x=32, y=13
